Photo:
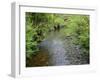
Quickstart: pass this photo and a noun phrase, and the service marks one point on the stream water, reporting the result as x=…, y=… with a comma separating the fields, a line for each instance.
x=62, y=51
x=56, y=52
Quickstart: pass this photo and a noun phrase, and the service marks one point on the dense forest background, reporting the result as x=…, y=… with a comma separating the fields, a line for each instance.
x=40, y=25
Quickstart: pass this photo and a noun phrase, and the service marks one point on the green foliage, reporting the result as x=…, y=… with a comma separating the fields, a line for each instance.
x=37, y=27
x=79, y=27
